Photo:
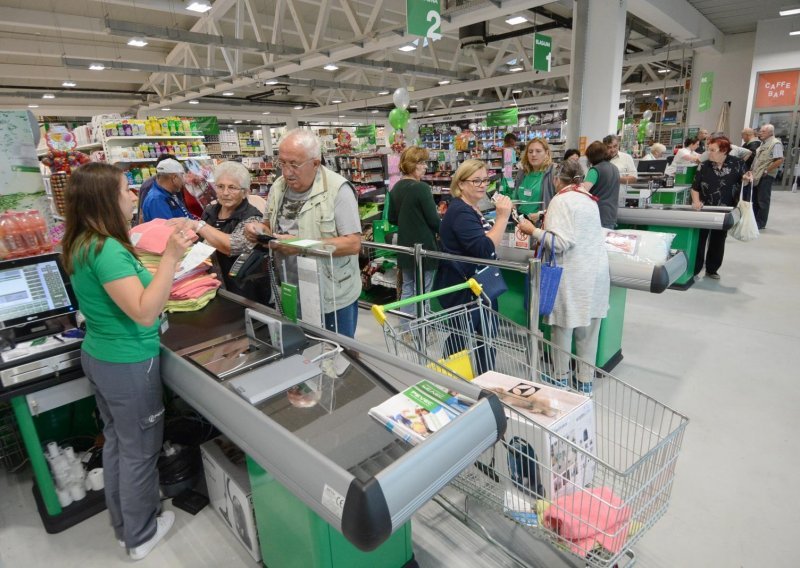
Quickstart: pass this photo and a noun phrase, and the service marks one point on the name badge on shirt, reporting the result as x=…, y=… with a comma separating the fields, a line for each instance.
x=163, y=322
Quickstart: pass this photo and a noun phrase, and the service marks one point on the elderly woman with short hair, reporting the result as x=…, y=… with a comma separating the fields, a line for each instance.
x=222, y=226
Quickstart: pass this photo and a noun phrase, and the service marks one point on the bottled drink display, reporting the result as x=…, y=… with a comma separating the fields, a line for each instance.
x=23, y=233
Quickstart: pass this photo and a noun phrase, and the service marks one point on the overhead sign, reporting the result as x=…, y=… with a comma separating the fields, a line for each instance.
x=367, y=131
x=542, y=52
x=676, y=136
x=424, y=19
x=777, y=89
x=503, y=117
x=706, y=88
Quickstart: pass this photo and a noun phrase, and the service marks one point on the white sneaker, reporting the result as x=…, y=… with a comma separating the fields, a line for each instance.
x=163, y=524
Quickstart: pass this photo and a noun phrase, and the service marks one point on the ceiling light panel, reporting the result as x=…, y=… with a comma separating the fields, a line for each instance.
x=516, y=20
x=199, y=6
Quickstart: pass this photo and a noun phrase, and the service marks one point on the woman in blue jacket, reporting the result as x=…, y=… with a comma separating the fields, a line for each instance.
x=465, y=232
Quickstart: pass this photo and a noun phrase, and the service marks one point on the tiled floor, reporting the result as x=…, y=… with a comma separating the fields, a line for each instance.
x=726, y=353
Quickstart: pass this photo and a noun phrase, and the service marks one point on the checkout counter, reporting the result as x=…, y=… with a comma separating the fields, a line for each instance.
x=648, y=277
x=684, y=222
x=331, y=486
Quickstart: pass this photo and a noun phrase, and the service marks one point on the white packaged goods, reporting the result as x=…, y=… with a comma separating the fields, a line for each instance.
x=561, y=468
x=229, y=490
x=640, y=246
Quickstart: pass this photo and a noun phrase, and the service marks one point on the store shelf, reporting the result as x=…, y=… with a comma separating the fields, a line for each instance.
x=116, y=138
x=138, y=160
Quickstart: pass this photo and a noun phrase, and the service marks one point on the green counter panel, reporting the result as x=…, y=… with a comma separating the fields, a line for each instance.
x=294, y=536
x=609, y=344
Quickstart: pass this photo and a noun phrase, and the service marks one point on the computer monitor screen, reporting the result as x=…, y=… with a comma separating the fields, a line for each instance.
x=34, y=289
x=651, y=166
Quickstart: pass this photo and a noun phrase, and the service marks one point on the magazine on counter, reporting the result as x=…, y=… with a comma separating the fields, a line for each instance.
x=419, y=411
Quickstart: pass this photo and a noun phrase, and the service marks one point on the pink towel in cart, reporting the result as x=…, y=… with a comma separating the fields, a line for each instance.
x=590, y=517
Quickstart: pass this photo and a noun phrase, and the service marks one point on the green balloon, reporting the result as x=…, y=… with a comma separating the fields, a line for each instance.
x=398, y=117
x=391, y=137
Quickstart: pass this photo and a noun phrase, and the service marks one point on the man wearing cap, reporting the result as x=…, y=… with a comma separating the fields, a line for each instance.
x=163, y=201
x=309, y=201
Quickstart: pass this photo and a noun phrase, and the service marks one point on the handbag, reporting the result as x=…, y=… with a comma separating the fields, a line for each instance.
x=491, y=282
x=746, y=228
x=550, y=277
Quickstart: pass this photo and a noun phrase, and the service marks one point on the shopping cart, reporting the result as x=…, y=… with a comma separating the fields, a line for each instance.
x=591, y=492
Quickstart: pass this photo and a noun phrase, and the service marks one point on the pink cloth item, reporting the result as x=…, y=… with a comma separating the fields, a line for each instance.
x=589, y=517
x=153, y=235
x=193, y=288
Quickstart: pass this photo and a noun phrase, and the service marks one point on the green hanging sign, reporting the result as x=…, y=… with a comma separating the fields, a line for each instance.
x=693, y=132
x=367, y=131
x=542, y=52
x=676, y=136
x=706, y=88
x=208, y=125
x=423, y=18
x=426, y=130
x=503, y=117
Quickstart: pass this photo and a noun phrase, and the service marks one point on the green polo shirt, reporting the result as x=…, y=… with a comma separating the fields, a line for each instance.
x=111, y=335
x=530, y=190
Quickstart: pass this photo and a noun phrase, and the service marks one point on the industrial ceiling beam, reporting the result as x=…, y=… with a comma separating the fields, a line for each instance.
x=79, y=63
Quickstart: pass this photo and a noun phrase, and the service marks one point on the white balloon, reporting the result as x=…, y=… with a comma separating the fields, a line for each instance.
x=510, y=128
x=473, y=126
x=648, y=114
x=401, y=98
x=651, y=128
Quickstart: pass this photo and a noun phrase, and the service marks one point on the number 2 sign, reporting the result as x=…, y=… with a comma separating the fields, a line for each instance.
x=424, y=19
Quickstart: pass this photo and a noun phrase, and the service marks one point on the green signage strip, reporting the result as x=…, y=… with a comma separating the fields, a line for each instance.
x=706, y=88
x=289, y=301
x=676, y=136
x=208, y=125
x=423, y=18
x=504, y=117
x=542, y=52
x=693, y=132
x=426, y=130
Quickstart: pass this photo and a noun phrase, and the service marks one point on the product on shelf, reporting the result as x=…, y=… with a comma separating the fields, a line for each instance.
x=58, y=187
x=23, y=233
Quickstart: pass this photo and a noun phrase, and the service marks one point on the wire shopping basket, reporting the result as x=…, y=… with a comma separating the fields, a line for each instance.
x=589, y=475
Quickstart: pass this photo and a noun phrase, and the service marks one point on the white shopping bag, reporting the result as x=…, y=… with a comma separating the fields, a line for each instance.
x=746, y=228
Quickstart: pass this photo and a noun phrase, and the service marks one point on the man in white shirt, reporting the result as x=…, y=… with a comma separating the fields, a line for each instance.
x=623, y=161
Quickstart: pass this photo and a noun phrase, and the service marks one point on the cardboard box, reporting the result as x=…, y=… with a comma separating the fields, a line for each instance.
x=229, y=490
x=562, y=469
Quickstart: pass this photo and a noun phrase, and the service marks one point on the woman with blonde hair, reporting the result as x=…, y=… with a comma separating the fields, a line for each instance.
x=465, y=232
x=533, y=183
x=412, y=209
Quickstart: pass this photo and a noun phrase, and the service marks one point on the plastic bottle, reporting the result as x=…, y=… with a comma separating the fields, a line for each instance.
x=27, y=233
x=39, y=225
x=182, y=151
x=187, y=127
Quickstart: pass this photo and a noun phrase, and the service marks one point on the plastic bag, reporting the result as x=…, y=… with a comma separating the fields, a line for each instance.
x=639, y=245
x=746, y=228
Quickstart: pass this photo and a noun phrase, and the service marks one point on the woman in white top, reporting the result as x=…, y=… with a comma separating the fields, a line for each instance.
x=656, y=152
x=686, y=156
x=572, y=228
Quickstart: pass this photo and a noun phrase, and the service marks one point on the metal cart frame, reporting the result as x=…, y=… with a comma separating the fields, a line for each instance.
x=619, y=477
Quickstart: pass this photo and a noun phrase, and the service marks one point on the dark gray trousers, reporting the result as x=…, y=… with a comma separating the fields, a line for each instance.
x=129, y=397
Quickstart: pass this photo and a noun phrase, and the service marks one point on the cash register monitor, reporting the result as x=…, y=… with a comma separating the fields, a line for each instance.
x=33, y=290
x=652, y=167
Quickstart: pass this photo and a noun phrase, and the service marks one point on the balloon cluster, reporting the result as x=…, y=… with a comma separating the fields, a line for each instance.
x=646, y=128
x=59, y=161
x=401, y=120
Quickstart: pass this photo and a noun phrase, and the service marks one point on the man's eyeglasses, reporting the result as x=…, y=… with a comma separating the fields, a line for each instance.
x=477, y=182
x=294, y=166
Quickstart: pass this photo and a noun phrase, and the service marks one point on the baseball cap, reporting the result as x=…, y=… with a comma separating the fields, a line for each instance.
x=169, y=167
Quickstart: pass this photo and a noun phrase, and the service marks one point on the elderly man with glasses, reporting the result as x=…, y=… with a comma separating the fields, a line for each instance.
x=309, y=201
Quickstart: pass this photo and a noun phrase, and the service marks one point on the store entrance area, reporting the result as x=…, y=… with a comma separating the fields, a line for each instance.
x=736, y=380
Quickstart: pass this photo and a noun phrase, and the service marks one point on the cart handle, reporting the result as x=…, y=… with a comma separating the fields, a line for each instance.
x=379, y=311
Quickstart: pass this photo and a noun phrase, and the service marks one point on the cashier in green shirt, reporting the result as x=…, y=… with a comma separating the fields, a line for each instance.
x=533, y=184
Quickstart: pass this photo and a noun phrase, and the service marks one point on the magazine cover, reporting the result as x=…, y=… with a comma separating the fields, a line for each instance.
x=419, y=411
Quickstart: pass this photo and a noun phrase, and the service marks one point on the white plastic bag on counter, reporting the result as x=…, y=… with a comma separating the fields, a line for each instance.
x=639, y=246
